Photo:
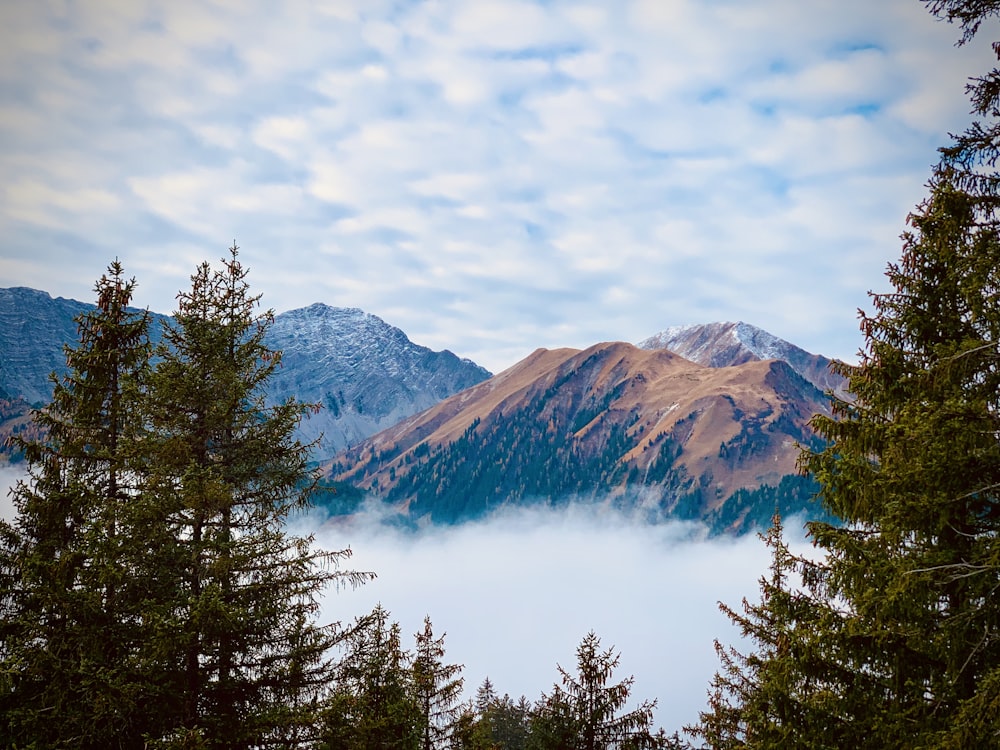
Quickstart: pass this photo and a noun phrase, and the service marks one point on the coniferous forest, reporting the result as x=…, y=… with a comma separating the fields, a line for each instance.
x=152, y=596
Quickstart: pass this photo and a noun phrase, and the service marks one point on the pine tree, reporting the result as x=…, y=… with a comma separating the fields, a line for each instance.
x=437, y=688
x=586, y=713
x=913, y=466
x=72, y=608
x=505, y=722
x=491, y=722
x=779, y=694
x=244, y=662
x=372, y=706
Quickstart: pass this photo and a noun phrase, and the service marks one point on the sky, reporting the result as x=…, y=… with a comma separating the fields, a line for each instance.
x=490, y=176
x=493, y=176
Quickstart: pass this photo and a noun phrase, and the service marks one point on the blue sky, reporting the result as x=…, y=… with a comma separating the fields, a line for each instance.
x=491, y=176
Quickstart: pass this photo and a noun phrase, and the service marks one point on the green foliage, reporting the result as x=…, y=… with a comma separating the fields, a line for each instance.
x=746, y=510
x=337, y=498
x=587, y=713
x=245, y=660
x=894, y=644
x=373, y=705
x=72, y=611
x=151, y=593
x=490, y=722
x=436, y=687
x=779, y=694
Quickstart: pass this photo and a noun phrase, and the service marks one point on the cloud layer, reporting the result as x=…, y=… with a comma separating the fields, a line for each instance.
x=516, y=595
x=490, y=176
x=9, y=477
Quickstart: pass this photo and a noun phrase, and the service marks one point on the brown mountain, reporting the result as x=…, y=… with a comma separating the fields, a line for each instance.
x=642, y=429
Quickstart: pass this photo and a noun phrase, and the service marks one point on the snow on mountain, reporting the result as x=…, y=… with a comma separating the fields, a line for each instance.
x=729, y=344
x=366, y=373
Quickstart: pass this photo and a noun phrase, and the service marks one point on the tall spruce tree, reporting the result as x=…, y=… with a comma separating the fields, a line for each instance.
x=372, y=705
x=913, y=465
x=492, y=722
x=437, y=687
x=244, y=660
x=72, y=607
x=587, y=713
x=779, y=694
x=910, y=622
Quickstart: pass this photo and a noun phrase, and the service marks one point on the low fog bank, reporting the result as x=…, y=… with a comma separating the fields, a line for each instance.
x=516, y=594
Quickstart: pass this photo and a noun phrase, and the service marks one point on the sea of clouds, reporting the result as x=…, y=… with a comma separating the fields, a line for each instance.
x=516, y=593
x=9, y=477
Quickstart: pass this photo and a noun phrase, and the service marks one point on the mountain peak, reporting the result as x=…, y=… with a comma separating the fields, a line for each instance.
x=728, y=344
x=719, y=344
x=367, y=373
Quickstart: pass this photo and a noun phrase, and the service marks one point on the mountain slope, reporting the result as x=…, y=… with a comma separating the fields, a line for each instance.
x=34, y=327
x=729, y=344
x=367, y=374
x=641, y=429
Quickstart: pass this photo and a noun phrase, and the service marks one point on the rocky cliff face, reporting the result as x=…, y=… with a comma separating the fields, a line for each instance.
x=33, y=330
x=642, y=429
x=365, y=373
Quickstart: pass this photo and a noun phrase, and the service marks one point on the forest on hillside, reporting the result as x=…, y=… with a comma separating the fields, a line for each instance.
x=152, y=595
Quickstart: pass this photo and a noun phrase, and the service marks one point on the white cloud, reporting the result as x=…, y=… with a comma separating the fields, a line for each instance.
x=503, y=25
x=34, y=202
x=9, y=477
x=516, y=595
x=650, y=149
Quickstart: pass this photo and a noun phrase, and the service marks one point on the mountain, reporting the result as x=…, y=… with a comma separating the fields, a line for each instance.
x=708, y=435
x=33, y=329
x=729, y=344
x=366, y=373
x=645, y=430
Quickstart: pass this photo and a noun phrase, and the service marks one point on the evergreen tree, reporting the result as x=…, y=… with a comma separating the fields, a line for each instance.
x=71, y=606
x=437, y=688
x=779, y=694
x=913, y=465
x=244, y=662
x=372, y=706
x=586, y=713
x=904, y=648
x=491, y=722
x=151, y=595
x=505, y=721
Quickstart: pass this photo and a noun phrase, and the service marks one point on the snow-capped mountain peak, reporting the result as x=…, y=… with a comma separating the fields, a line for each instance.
x=728, y=344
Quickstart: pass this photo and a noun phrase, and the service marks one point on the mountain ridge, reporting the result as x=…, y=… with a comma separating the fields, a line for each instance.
x=642, y=427
x=366, y=373
x=727, y=344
